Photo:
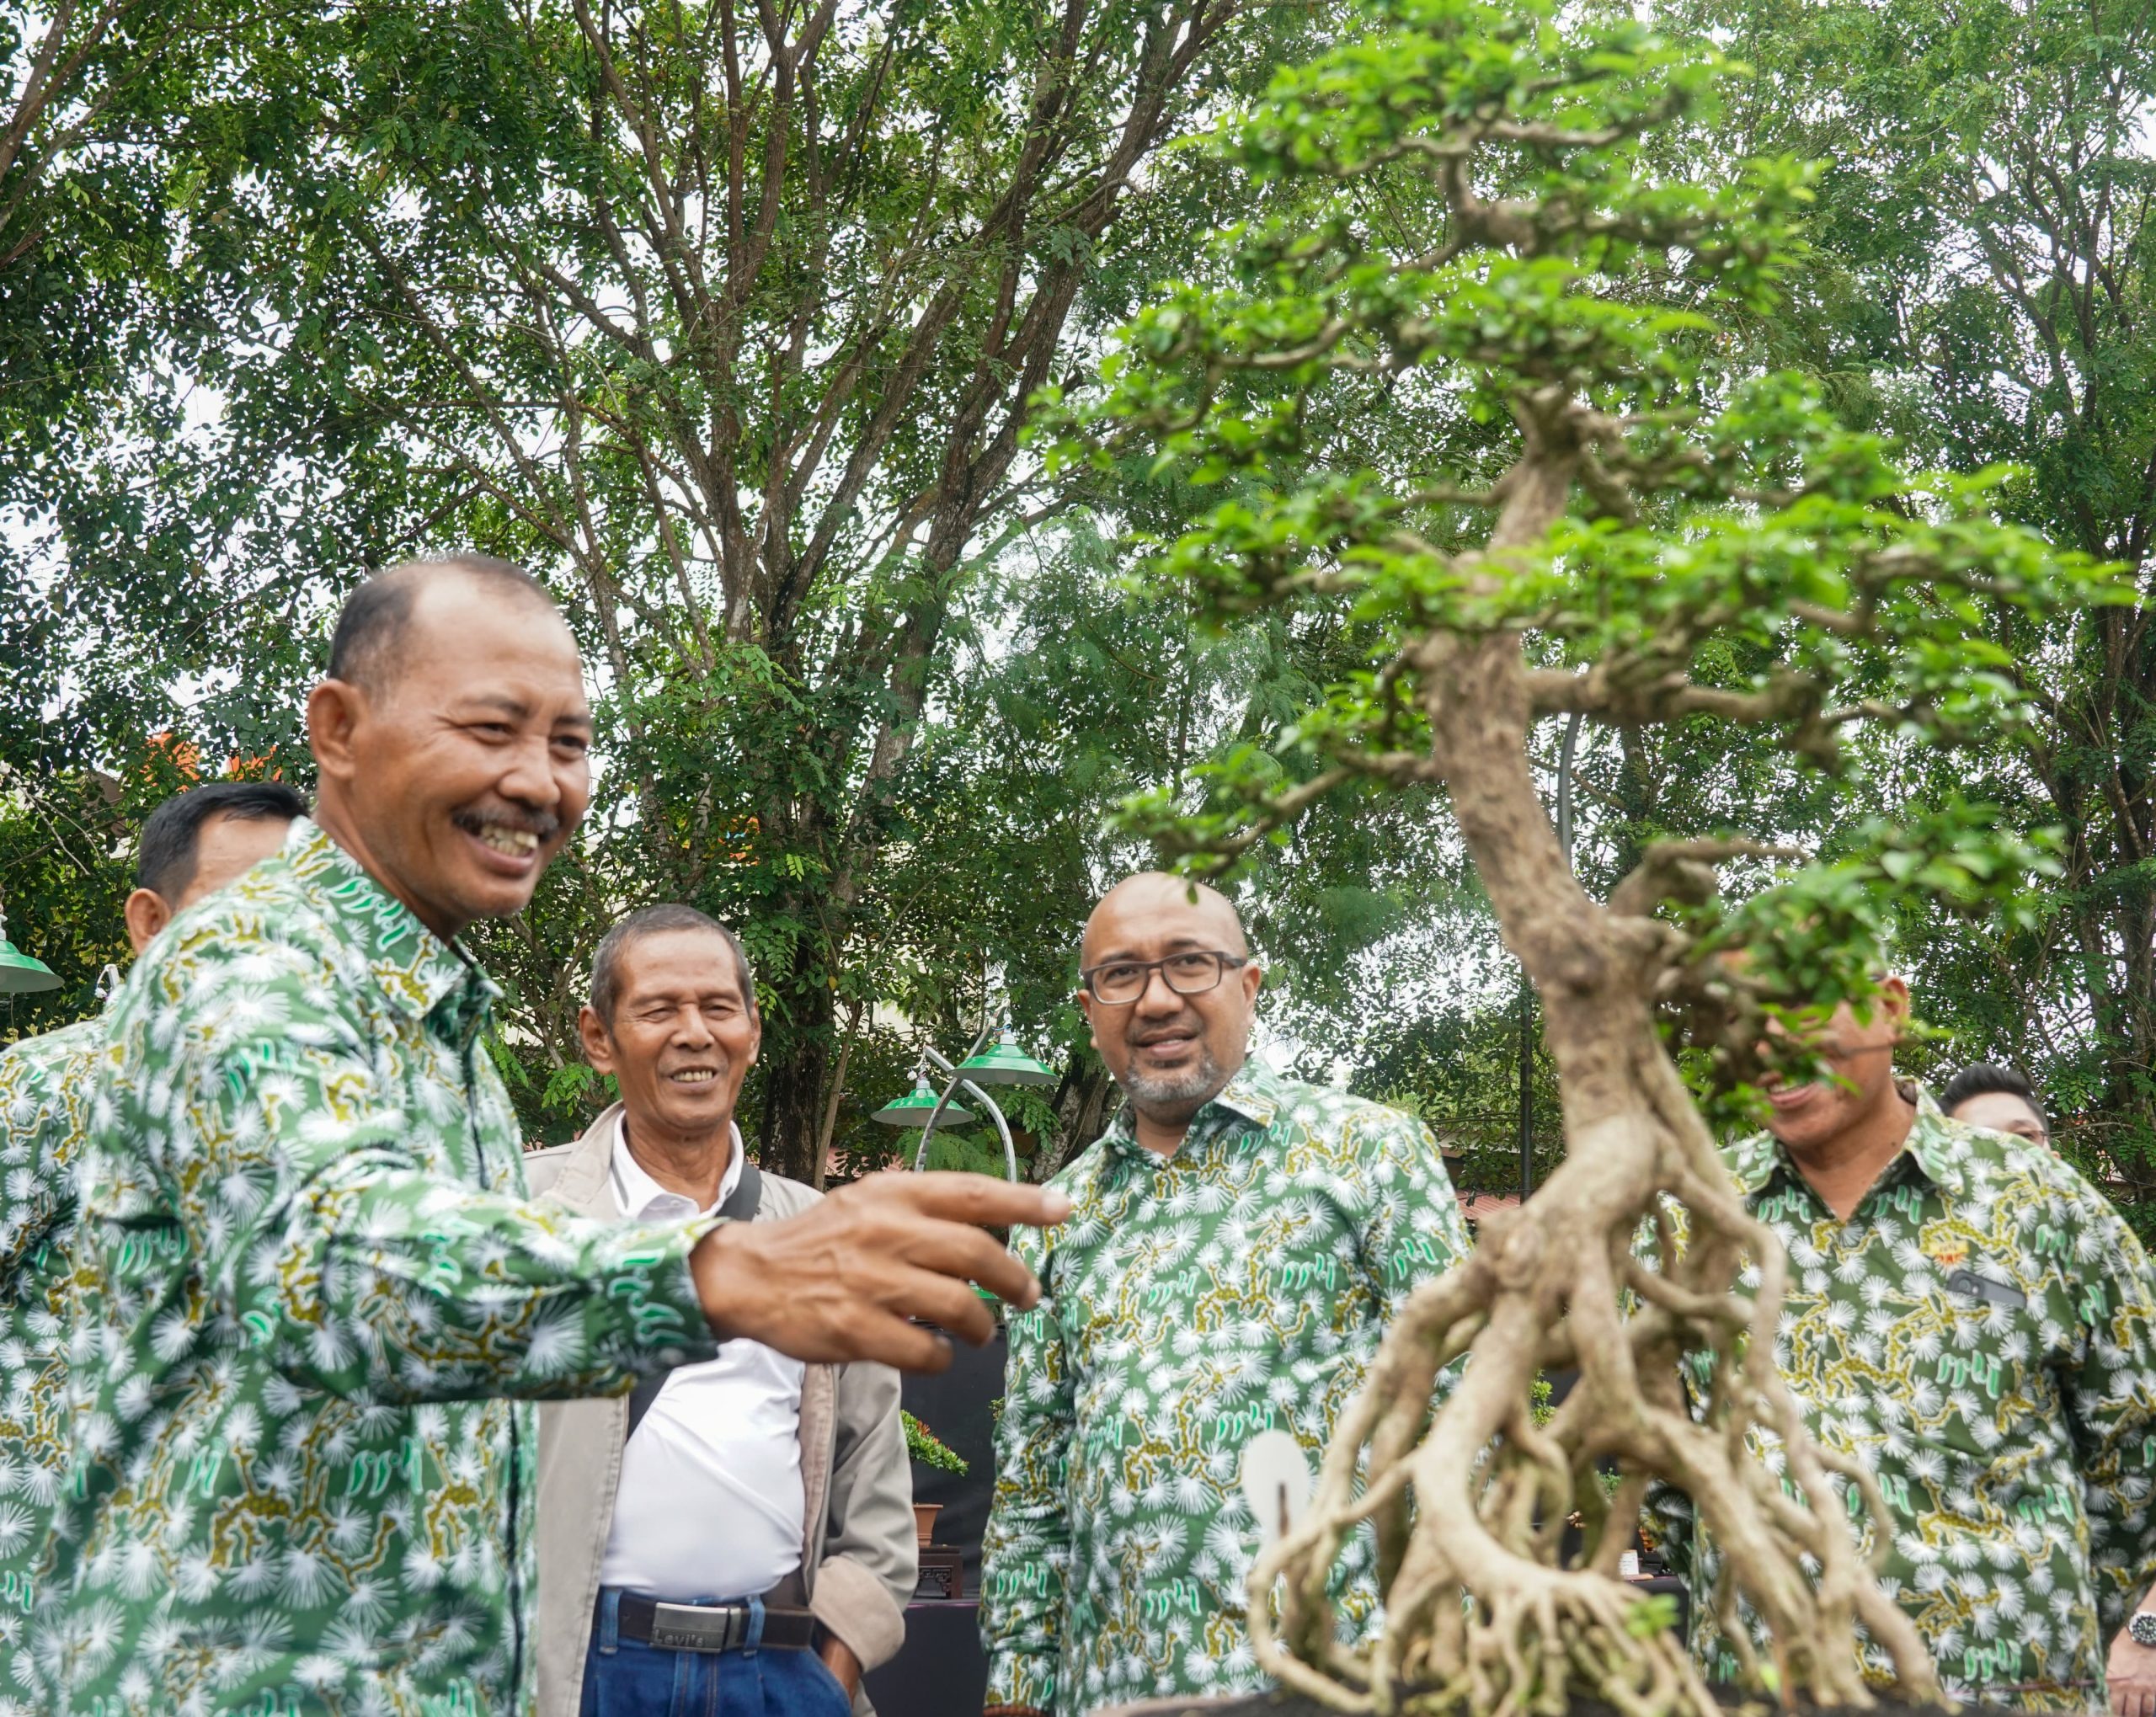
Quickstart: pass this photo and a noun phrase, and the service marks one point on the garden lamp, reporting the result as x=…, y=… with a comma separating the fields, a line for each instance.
x=21, y=974
x=915, y=1108
x=1008, y=1064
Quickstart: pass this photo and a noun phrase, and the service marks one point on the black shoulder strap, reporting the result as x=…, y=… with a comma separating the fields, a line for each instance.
x=740, y=1206
x=748, y=1193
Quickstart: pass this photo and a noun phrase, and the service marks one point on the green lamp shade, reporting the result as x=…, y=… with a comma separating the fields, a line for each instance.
x=1008, y=1064
x=914, y=1109
x=20, y=974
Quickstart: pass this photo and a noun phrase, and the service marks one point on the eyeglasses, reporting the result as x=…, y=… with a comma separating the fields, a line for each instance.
x=1118, y=982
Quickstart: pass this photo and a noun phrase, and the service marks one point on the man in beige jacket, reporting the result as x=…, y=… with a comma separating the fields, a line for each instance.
x=736, y=1538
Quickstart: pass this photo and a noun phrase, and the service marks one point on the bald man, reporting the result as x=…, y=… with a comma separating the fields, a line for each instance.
x=1238, y=1242
x=318, y=1301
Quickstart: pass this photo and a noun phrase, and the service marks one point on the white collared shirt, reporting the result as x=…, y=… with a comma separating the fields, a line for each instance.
x=710, y=1505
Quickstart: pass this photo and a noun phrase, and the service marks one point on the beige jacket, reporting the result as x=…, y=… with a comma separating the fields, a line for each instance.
x=858, y=1560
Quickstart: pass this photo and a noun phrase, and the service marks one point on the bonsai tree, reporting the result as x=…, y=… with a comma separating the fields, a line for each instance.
x=1569, y=497
x=928, y=1448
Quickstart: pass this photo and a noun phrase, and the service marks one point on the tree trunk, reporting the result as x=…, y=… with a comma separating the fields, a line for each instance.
x=1083, y=1104
x=795, y=1066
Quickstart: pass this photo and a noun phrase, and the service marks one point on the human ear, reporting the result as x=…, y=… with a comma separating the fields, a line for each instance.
x=598, y=1041
x=145, y=914
x=334, y=712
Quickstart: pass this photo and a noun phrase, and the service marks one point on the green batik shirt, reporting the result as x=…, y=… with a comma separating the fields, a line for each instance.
x=1188, y=1303
x=1981, y=1335
x=44, y=1108
x=310, y=1276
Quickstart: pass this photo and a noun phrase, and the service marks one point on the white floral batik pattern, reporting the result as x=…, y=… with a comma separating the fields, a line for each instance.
x=310, y=1279
x=1190, y=1303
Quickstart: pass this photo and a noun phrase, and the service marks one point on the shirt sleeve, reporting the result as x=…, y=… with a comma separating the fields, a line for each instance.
x=254, y=1125
x=2110, y=1404
x=1025, y=1551
x=1415, y=1231
x=44, y=1082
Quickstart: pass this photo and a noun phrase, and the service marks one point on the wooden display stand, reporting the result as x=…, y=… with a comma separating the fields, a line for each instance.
x=942, y=1568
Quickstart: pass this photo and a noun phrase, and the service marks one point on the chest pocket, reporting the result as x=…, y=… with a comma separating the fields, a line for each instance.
x=1976, y=1361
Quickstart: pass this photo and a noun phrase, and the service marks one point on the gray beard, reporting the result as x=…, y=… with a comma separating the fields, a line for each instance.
x=1199, y=1084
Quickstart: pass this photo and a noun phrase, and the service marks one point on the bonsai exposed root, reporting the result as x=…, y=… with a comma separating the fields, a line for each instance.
x=1469, y=1506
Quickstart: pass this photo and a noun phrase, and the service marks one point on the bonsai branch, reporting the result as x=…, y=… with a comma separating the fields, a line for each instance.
x=1674, y=870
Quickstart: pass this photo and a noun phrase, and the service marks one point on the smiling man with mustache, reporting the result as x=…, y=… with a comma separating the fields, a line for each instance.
x=1238, y=1242
x=747, y=1479
x=316, y=1299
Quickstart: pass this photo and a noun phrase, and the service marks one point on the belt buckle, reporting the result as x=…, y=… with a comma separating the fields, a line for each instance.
x=683, y=1627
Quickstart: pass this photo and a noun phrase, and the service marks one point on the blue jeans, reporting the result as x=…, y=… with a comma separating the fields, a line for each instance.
x=622, y=1678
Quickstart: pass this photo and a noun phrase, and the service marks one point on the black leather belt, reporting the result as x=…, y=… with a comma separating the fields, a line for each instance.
x=724, y=1626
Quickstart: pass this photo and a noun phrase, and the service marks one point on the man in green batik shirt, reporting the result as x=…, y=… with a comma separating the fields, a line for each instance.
x=311, y=1274
x=192, y=845
x=1970, y=1318
x=1238, y=1242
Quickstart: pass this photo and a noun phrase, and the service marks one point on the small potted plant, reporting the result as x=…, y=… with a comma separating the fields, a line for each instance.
x=930, y=1451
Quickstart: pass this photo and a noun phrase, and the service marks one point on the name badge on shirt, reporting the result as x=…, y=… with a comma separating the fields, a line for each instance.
x=1975, y=1287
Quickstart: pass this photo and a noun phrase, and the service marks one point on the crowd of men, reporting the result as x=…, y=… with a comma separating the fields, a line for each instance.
x=323, y=1395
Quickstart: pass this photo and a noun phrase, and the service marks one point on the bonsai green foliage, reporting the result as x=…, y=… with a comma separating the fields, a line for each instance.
x=1617, y=516
x=930, y=1450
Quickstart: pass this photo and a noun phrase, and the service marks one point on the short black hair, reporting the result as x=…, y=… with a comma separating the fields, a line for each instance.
x=376, y=615
x=171, y=835
x=652, y=921
x=1980, y=1079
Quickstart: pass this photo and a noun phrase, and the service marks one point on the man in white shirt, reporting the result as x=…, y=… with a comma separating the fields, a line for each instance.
x=736, y=1538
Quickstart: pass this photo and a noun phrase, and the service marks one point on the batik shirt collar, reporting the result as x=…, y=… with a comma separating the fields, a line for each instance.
x=1933, y=1148
x=1248, y=1101
x=420, y=974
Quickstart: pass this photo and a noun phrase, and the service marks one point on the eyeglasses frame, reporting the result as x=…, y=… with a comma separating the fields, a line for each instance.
x=1223, y=963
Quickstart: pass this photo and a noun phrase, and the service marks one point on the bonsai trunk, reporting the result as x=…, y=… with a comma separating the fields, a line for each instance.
x=1549, y=1288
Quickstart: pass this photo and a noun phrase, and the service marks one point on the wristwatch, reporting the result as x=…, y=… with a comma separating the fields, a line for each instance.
x=2141, y=1629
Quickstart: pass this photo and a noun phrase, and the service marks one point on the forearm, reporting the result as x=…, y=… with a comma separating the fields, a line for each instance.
x=386, y=1284
x=2113, y=1424
x=844, y=1666
x=1022, y=1659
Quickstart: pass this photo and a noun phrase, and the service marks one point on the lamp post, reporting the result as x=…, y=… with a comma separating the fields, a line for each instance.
x=1006, y=1064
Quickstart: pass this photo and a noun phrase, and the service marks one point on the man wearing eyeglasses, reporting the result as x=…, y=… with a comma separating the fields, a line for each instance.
x=1237, y=1244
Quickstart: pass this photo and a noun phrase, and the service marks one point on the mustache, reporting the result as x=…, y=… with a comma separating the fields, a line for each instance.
x=1192, y=1027
x=544, y=824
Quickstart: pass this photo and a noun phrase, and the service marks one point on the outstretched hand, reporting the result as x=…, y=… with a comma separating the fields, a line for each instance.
x=842, y=1280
